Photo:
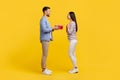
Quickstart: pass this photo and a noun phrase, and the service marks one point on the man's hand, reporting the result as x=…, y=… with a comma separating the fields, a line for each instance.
x=55, y=27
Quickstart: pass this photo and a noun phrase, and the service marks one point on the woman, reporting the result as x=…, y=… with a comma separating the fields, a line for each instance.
x=71, y=30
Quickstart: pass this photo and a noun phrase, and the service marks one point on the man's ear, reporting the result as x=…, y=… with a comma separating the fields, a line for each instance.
x=45, y=12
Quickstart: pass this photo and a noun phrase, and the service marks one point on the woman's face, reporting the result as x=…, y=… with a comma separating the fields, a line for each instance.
x=68, y=16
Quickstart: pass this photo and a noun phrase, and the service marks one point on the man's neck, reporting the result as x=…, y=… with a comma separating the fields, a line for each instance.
x=45, y=16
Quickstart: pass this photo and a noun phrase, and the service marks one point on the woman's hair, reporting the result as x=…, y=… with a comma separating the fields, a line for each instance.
x=73, y=17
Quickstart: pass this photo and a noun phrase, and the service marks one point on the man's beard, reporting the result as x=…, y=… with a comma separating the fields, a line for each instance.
x=48, y=15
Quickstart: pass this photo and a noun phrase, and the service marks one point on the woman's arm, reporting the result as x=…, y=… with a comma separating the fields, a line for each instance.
x=70, y=28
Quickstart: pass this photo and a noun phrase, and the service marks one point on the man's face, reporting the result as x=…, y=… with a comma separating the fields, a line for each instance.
x=47, y=12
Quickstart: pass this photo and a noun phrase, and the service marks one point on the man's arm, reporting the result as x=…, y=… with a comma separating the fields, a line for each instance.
x=44, y=27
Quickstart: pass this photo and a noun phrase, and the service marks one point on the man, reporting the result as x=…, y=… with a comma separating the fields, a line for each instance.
x=45, y=38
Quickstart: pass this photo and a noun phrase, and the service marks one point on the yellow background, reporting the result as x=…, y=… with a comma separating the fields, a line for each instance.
x=98, y=48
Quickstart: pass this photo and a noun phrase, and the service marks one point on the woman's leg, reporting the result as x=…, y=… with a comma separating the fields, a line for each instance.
x=72, y=55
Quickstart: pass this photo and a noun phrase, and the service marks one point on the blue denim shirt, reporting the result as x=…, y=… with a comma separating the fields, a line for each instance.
x=45, y=30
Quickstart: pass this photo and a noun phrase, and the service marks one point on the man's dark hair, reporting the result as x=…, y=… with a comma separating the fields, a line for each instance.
x=45, y=8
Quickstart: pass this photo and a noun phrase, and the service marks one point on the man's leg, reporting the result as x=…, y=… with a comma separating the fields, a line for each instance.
x=45, y=45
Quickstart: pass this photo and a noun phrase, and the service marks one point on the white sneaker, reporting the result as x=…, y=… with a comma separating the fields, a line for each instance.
x=47, y=72
x=75, y=70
